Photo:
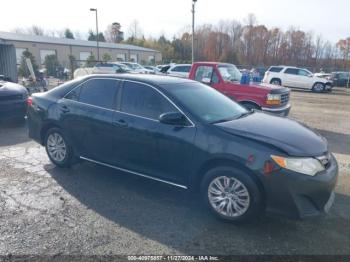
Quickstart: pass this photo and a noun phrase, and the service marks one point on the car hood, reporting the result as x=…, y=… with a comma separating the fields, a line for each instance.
x=288, y=135
x=7, y=88
x=265, y=87
x=320, y=79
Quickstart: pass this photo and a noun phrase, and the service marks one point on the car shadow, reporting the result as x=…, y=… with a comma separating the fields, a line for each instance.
x=13, y=132
x=334, y=139
x=175, y=217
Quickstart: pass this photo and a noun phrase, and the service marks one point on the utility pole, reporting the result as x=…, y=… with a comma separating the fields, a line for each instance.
x=97, y=35
x=193, y=12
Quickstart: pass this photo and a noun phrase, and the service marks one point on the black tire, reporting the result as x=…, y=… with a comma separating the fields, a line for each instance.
x=67, y=161
x=276, y=81
x=256, y=201
x=329, y=88
x=250, y=106
x=318, y=88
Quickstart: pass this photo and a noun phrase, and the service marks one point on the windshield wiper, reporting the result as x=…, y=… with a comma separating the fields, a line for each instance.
x=222, y=120
x=246, y=114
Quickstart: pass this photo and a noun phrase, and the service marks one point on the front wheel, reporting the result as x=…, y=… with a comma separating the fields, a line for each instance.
x=318, y=88
x=57, y=148
x=231, y=194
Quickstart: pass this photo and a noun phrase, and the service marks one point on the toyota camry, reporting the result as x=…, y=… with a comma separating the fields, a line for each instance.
x=186, y=134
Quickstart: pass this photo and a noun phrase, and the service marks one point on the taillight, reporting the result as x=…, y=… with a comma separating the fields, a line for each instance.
x=30, y=101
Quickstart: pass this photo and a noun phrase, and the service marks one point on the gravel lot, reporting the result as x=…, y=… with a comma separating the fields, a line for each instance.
x=95, y=210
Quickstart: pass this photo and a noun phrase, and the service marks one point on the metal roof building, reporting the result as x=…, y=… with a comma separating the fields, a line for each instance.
x=41, y=46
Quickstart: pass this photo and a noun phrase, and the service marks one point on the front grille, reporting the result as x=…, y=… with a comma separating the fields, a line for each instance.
x=11, y=97
x=284, y=99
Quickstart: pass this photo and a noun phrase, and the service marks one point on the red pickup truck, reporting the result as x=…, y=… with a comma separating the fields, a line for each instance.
x=226, y=79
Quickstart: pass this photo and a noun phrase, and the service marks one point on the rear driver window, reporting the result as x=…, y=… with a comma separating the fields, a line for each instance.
x=99, y=92
x=142, y=100
x=275, y=69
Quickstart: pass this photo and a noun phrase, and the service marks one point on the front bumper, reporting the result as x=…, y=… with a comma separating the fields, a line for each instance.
x=281, y=111
x=299, y=196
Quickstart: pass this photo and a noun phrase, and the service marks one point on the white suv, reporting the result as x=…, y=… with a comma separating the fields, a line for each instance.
x=296, y=77
x=180, y=70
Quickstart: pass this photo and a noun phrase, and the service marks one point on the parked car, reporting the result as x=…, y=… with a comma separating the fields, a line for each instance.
x=110, y=68
x=323, y=75
x=296, y=77
x=179, y=70
x=154, y=69
x=187, y=134
x=226, y=78
x=137, y=68
x=83, y=71
x=341, y=79
x=13, y=101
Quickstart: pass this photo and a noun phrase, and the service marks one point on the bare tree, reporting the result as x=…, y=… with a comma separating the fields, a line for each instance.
x=135, y=30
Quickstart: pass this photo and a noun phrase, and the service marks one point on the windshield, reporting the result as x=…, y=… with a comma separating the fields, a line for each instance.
x=136, y=66
x=206, y=103
x=124, y=67
x=230, y=73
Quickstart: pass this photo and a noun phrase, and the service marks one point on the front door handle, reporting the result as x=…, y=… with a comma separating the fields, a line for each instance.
x=121, y=123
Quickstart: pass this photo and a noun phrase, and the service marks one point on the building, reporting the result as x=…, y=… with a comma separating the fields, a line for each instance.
x=41, y=46
x=8, y=67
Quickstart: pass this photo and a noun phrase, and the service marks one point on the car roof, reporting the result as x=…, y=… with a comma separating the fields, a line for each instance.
x=144, y=78
x=182, y=65
x=213, y=63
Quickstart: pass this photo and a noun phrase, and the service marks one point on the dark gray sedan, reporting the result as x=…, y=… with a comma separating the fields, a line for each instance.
x=13, y=101
x=186, y=134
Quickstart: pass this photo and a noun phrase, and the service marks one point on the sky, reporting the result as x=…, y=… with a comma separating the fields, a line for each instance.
x=169, y=17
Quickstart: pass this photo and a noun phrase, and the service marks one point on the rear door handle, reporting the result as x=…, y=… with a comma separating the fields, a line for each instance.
x=121, y=123
x=64, y=109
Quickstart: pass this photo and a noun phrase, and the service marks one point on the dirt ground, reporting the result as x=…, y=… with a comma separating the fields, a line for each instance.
x=95, y=210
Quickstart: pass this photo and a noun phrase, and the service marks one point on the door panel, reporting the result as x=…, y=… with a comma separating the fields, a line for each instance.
x=87, y=115
x=141, y=143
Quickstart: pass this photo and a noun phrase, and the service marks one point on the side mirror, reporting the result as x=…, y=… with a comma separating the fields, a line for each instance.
x=206, y=80
x=173, y=118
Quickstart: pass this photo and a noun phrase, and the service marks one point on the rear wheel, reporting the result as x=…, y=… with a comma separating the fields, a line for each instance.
x=276, y=81
x=57, y=148
x=318, y=88
x=231, y=194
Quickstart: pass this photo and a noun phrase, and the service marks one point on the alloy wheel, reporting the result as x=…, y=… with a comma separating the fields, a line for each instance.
x=319, y=87
x=56, y=147
x=228, y=196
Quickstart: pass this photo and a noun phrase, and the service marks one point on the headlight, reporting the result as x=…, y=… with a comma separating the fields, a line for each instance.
x=307, y=166
x=273, y=99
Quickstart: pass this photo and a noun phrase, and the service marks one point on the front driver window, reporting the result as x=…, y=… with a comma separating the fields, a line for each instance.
x=304, y=73
x=142, y=100
x=230, y=73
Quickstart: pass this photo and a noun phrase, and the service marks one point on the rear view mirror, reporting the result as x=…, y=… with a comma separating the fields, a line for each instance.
x=206, y=80
x=173, y=118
